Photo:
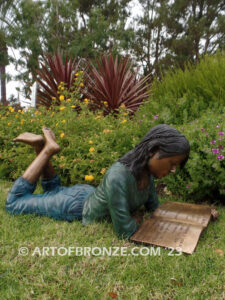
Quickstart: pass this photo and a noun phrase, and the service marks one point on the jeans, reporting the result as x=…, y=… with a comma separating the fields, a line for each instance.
x=58, y=202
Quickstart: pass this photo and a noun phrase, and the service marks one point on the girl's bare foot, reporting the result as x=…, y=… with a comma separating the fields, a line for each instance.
x=50, y=144
x=34, y=140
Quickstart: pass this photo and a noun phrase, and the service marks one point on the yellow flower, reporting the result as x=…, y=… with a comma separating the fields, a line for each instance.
x=123, y=106
x=86, y=100
x=98, y=117
x=19, y=111
x=54, y=156
x=56, y=124
x=61, y=97
x=53, y=98
x=105, y=103
x=89, y=177
x=63, y=121
x=36, y=113
x=107, y=130
x=81, y=84
x=68, y=100
x=81, y=72
x=11, y=108
x=77, y=74
x=52, y=114
x=103, y=170
x=124, y=121
x=73, y=106
x=62, y=88
x=92, y=149
x=9, y=123
x=62, y=108
x=22, y=121
x=62, y=135
x=90, y=142
x=17, y=116
x=125, y=114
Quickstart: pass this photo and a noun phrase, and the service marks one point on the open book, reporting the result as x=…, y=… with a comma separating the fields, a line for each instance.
x=174, y=225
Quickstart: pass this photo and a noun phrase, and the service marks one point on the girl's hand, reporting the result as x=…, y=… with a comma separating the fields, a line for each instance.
x=215, y=214
x=138, y=218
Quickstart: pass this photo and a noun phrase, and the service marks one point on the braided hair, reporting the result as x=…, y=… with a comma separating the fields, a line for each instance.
x=163, y=139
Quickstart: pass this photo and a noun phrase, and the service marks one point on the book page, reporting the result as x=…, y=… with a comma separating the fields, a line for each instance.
x=187, y=213
x=168, y=234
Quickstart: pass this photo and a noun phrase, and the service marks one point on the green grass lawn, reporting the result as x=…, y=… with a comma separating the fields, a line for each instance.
x=197, y=276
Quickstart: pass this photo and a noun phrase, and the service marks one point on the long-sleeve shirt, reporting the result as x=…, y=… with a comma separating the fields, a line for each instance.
x=118, y=197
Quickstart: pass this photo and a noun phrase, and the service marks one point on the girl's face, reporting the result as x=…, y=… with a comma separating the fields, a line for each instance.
x=163, y=166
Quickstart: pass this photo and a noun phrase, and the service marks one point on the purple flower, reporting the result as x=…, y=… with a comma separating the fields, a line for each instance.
x=223, y=191
x=220, y=157
x=221, y=133
x=215, y=151
x=221, y=147
x=202, y=129
x=156, y=117
x=188, y=186
x=182, y=128
x=217, y=126
x=213, y=142
x=207, y=134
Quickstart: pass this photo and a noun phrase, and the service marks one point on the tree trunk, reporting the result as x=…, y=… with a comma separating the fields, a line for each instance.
x=3, y=85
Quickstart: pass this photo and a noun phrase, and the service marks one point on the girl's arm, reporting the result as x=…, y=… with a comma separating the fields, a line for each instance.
x=117, y=197
x=152, y=202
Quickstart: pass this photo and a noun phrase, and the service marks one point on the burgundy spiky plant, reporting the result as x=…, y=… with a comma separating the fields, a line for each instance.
x=54, y=71
x=113, y=83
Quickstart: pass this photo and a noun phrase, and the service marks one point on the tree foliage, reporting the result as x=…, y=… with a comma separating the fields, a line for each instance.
x=163, y=35
x=195, y=27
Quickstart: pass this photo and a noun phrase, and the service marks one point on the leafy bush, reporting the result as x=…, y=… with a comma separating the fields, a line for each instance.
x=183, y=96
x=89, y=142
x=54, y=76
x=114, y=84
x=204, y=174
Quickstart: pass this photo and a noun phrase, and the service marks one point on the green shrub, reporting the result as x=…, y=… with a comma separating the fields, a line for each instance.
x=110, y=138
x=183, y=96
x=204, y=173
x=75, y=132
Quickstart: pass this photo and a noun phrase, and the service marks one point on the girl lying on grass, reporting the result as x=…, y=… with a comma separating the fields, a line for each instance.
x=126, y=186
